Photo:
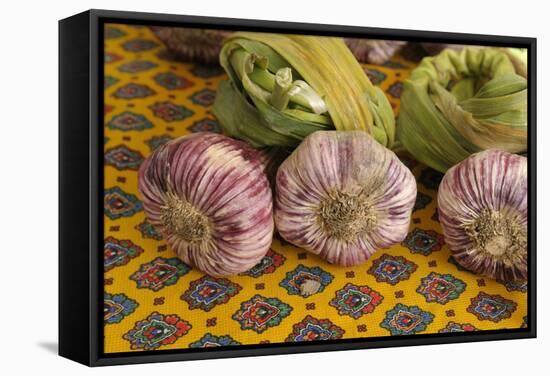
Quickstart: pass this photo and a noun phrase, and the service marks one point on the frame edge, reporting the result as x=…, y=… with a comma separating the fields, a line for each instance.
x=74, y=160
x=89, y=352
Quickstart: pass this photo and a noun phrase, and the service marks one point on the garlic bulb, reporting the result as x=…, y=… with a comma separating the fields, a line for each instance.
x=192, y=45
x=342, y=195
x=483, y=211
x=209, y=196
x=373, y=51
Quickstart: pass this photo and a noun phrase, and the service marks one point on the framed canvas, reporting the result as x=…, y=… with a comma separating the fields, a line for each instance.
x=236, y=187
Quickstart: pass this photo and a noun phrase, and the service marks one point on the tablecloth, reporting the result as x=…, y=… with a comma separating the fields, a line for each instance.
x=152, y=300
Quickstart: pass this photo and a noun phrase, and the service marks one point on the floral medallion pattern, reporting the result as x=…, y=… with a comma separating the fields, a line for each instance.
x=423, y=241
x=116, y=307
x=156, y=330
x=208, y=292
x=123, y=158
x=375, y=76
x=118, y=204
x=491, y=307
x=267, y=265
x=453, y=327
x=206, y=125
x=170, y=112
x=172, y=81
x=312, y=329
x=139, y=45
x=148, y=231
x=511, y=286
x=129, y=121
x=133, y=91
x=392, y=269
x=118, y=252
x=395, y=89
x=440, y=288
x=261, y=313
x=136, y=66
x=356, y=301
x=159, y=273
x=210, y=340
x=306, y=281
x=112, y=32
x=402, y=320
x=204, y=97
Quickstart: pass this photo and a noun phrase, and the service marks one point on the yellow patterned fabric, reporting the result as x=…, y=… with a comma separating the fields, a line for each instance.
x=153, y=301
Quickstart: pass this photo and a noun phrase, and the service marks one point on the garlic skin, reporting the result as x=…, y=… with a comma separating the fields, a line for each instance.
x=210, y=198
x=342, y=195
x=482, y=205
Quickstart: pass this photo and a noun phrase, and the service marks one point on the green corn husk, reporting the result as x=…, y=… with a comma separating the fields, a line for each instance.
x=284, y=87
x=462, y=102
x=518, y=56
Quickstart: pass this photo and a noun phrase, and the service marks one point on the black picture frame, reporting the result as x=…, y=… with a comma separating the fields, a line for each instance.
x=81, y=187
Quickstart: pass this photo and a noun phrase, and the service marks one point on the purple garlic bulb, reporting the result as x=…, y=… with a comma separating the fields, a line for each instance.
x=373, y=51
x=483, y=211
x=192, y=45
x=342, y=196
x=210, y=198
